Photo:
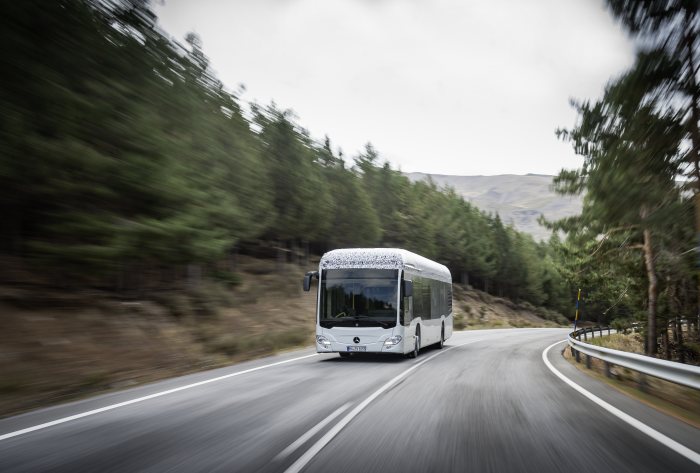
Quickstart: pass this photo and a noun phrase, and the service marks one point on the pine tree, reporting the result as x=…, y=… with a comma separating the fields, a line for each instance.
x=630, y=155
x=667, y=73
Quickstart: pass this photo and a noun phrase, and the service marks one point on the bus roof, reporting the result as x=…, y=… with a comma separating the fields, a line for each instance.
x=384, y=258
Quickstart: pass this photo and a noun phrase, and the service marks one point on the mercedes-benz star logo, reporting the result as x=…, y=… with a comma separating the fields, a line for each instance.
x=356, y=339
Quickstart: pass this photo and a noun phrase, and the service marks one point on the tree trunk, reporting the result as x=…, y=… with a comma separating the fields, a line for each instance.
x=281, y=257
x=653, y=283
x=694, y=127
x=679, y=339
x=674, y=331
x=306, y=253
x=194, y=274
x=233, y=259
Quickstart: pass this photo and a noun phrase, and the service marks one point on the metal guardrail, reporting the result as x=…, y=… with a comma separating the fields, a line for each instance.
x=679, y=373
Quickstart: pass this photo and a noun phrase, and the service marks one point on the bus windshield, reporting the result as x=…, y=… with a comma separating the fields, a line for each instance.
x=359, y=297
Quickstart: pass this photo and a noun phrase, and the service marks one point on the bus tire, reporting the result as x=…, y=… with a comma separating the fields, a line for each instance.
x=416, y=345
x=442, y=337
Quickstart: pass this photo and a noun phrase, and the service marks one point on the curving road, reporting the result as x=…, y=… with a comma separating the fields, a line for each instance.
x=485, y=403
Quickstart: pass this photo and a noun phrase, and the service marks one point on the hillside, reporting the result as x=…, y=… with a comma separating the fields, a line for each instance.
x=58, y=345
x=518, y=199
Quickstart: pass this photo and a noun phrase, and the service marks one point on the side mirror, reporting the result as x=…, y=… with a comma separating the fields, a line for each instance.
x=407, y=288
x=307, y=279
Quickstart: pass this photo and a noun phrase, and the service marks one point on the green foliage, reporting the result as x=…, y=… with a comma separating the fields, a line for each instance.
x=227, y=277
x=129, y=150
x=353, y=219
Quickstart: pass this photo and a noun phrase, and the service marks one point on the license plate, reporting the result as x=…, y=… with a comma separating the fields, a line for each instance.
x=357, y=348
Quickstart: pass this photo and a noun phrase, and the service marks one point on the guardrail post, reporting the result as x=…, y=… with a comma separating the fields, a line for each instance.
x=577, y=356
x=588, y=361
x=585, y=338
x=643, y=385
x=608, y=331
x=601, y=331
x=592, y=332
x=607, y=370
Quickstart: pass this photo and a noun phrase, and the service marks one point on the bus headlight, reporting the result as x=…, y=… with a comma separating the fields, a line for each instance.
x=392, y=341
x=323, y=341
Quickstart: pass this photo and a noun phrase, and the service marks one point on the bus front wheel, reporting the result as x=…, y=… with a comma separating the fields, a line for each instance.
x=442, y=337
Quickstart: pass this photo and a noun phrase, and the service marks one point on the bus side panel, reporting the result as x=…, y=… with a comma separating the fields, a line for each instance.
x=433, y=330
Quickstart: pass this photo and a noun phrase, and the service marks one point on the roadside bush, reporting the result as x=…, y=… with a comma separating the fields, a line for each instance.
x=553, y=316
x=691, y=352
x=621, y=325
x=262, y=266
x=209, y=296
x=234, y=344
x=227, y=278
x=527, y=306
x=177, y=303
x=229, y=344
x=467, y=308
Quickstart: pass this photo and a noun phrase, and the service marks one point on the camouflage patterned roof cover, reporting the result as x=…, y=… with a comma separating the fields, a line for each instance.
x=384, y=258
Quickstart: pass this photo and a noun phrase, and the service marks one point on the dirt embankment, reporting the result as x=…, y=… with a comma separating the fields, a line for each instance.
x=477, y=310
x=60, y=345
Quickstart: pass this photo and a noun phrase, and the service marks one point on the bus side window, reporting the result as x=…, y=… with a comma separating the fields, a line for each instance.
x=405, y=311
x=406, y=314
x=449, y=298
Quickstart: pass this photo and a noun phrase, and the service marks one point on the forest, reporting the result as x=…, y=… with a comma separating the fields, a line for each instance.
x=127, y=165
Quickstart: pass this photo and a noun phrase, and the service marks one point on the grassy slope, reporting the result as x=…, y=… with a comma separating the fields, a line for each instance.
x=57, y=346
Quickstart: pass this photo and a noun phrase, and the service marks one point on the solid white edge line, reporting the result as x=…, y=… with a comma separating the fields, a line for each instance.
x=63, y=420
x=303, y=460
x=642, y=427
x=313, y=431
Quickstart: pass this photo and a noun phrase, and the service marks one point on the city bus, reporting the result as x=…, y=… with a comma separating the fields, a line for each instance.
x=380, y=300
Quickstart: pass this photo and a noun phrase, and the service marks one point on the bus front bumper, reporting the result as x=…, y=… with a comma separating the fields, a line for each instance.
x=328, y=345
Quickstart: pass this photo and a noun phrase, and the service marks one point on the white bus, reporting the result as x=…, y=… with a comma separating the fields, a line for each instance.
x=380, y=300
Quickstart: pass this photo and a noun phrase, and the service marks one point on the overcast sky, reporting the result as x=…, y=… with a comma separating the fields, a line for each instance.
x=441, y=86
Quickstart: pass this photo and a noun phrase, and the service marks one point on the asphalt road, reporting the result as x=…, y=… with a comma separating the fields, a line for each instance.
x=485, y=403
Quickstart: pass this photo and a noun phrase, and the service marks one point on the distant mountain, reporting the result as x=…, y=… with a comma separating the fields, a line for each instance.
x=519, y=200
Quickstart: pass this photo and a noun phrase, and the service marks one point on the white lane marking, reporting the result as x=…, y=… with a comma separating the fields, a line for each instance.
x=305, y=438
x=141, y=399
x=303, y=460
x=642, y=427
